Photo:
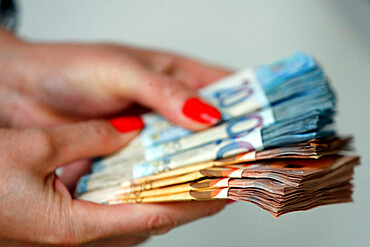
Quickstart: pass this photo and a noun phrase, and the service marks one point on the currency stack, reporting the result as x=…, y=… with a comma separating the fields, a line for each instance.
x=276, y=147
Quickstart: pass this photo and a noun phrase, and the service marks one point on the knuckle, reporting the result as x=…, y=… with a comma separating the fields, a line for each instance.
x=101, y=132
x=173, y=90
x=160, y=223
x=60, y=238
x=168, y=65
x=70, y=237
x=168, y=88
x=45, y=143
x=98, y=129
x=154, y=83
x=61, y=232
x=138, y=240
x=213, y=208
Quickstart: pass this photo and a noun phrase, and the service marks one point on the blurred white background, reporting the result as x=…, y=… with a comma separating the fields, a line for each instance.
x=237, y=34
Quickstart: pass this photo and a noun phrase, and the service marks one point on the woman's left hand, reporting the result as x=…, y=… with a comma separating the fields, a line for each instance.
x=49, y=84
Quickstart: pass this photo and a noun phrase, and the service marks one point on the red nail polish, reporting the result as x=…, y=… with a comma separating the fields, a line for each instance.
x=229, y=201
x=127, y=124
x=201, y=112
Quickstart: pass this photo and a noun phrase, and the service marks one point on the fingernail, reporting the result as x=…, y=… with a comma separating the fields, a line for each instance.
x=201, y=112
x=127, y=124
x=229, y=201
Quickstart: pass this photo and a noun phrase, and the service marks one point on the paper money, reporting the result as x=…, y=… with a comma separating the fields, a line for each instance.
x=276, y=147
x=119, y=174
x=321, y=182
x=245, y=92
x=291, y=172
x=313, y=85
x=293, y=85
x=299, y=129
x=136, y=154
x=238, y=126
x=312, y=149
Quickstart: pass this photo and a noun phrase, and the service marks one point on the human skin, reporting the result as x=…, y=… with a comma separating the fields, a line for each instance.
x=48, y=85
x=36, y=207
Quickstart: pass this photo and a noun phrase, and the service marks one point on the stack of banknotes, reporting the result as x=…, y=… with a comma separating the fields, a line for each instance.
x=276, y=147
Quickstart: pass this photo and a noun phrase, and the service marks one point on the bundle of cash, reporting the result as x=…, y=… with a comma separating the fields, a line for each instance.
x=277, y=186
x=276, y=133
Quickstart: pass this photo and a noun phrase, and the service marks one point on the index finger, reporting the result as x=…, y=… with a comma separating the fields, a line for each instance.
x=194, y=74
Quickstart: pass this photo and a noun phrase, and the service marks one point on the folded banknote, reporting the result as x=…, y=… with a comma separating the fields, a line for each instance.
x=300, y=129
x=313, y=149
x=278, y=186
x=276, y=146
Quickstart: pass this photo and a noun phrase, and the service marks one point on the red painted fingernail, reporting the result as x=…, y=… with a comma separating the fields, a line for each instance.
x=201, y=112
x=229, y=201
x=127, y=124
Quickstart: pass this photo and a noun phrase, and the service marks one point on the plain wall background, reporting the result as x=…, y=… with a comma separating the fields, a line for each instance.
x=237, y=34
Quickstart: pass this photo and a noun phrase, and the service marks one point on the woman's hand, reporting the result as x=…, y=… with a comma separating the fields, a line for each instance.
x=48, y=84
x=35, y=206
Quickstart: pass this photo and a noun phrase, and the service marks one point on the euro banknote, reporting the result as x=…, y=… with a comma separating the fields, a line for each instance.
x=313, y=149
x=136, y=153
x=289, y=171
x=320, y=182
x=290, y=131
x=275, y=146
x=294, y=85
x=266, y=184
x=238, y=126
x=245, y=92
x=249, y=90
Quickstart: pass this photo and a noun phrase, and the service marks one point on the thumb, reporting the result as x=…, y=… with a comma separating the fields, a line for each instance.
x=68, y=143
x=103, y=221
x=174, y=100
